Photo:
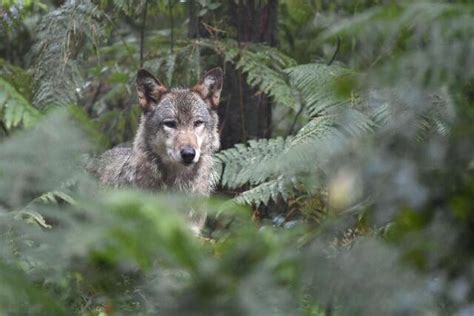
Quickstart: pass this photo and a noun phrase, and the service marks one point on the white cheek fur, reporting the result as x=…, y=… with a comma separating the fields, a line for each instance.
x=198, y=154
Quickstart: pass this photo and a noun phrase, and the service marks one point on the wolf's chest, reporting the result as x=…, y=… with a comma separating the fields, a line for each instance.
x=150, y=176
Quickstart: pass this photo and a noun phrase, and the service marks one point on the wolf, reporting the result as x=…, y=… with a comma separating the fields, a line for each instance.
x=175, y=140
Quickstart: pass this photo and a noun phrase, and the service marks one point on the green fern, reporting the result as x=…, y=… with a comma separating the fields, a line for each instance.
x=241, y=158
x=59, y=50
x=31, y=212
x=317, y=83
x=274, y=168
x=15, y=110
x=55, y=197
x=431, y=44
x=19, y=78
x=264, y=68
x=16, y=284
x=335, y=121
x=128, y=7
x=281, y=187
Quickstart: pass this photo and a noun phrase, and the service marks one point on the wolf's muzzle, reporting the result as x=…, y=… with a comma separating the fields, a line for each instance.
x=188, y=154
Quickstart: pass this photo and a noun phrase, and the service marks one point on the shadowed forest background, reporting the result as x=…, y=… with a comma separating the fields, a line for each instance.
x=346, y=169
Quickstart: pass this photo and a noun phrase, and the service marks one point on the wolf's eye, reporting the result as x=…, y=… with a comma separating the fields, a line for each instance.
x=170, y=124
x=198, y=123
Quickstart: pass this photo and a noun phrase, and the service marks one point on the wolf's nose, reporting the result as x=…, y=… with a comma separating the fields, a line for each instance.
x=188, y=154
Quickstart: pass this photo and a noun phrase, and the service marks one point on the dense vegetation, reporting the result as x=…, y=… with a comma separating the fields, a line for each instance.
x=346, y=175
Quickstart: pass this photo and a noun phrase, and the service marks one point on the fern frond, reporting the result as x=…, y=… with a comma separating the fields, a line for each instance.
x=281, y=187
x=30, y=213
x=61, y=36
x=18, y=77
x=433, y=113
x=33, y=217
x=314, y=207
x=264, y=67
x=316, y=82
x=266, y=164
x=55, y=197
x=14, y=281
x=269, y=164
x=129, y=7
x=436, y=120
x=431, y=44
x=239, y=159
x=15, y=110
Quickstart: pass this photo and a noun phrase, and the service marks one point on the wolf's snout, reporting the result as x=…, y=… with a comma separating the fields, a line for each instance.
x=188, y=154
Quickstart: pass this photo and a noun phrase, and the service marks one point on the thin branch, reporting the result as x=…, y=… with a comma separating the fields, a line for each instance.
x=90, y=105
x=4, y=128
x=124, y=43
x=193, y=24
x=142, y=32
x=242, y=109
x=170, y=8
x=212, y=30
x=295, y=120
x=338, y=45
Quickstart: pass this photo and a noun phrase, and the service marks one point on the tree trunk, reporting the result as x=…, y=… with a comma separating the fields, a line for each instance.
x=244, y=113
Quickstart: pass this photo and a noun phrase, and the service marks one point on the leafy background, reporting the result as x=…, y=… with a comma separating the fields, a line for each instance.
x=346, y=174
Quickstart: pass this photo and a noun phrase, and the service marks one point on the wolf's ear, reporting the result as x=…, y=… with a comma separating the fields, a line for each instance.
x=210, y=87
x=149, y=90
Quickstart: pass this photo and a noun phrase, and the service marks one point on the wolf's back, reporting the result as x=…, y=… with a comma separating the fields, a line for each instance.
x=113, y=167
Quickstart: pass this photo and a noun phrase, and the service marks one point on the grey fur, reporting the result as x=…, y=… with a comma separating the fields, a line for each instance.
x=153, y=163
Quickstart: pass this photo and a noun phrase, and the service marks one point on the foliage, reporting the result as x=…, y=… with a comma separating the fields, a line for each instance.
x=263, y=65
x=333, y=119
x=360, y=205
x=15, y=107
x=56, y=75
x=95, y=255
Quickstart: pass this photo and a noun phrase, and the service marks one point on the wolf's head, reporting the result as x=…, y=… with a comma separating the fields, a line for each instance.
x=179, y=125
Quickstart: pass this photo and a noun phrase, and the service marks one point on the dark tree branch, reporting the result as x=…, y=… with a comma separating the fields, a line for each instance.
x=193, y=26
x=295, y=120
x=338, y=45
x=142, y=32
x=242, y=109
x=88, y=108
